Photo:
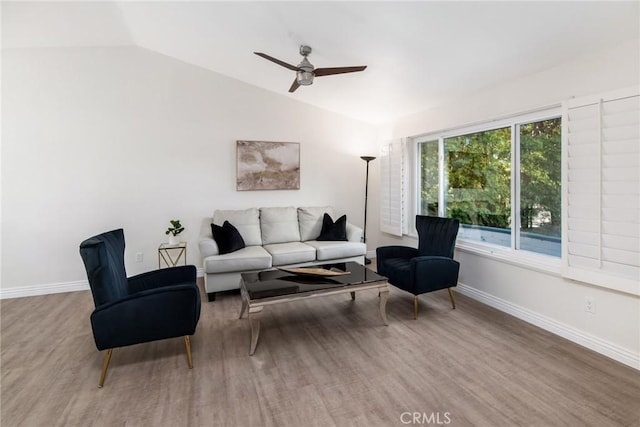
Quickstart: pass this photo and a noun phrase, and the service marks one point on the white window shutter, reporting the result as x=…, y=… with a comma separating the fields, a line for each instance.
x=601, y=190
x=392, y=188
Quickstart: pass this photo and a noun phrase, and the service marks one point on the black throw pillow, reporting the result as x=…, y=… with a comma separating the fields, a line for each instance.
x=227, y=237
x=333, y=230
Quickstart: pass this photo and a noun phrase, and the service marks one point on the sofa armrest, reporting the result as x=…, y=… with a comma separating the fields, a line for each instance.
x=208, y=246
x=354, y=233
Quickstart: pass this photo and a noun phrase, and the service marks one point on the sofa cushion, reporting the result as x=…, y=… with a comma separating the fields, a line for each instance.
x=279, y=225
x=246, y=259
x=290, y=253
x=227, y=237
x=333, y=230
x=310, y=220
x=246, y=221
x=333, y=250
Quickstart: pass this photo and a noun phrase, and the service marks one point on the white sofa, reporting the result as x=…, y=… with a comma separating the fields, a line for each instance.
x=274, y=237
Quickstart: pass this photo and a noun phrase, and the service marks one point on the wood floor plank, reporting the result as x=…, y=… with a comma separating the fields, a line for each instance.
x=325, y=361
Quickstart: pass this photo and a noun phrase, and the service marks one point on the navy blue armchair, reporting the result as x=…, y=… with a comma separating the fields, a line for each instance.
x=151, y=306
x=428, y=268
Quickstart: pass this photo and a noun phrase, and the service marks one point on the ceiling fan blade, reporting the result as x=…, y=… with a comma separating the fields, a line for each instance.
x=337, y=70
x=294, y=85
x=277, y=61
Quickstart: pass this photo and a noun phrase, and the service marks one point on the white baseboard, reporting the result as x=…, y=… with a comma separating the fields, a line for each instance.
x=53, y=288
x=591, y=342
x=50, y=288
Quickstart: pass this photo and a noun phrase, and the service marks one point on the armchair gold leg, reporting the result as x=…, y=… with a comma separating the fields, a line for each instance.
x=453, y=302
x=105, y=366
x=187, y=344
x=415, y=307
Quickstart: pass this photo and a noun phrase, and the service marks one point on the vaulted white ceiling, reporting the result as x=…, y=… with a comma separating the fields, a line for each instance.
x=418, y=53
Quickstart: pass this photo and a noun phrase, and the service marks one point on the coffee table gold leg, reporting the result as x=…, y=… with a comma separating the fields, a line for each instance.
x=353, y=295
x=384, y=296
x=254, y=320
x=244, y=307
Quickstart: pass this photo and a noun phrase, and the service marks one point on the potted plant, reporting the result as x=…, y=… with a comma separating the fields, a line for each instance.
x=173, y=231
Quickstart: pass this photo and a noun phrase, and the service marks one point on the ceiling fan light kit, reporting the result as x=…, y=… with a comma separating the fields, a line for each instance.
x=305, y=72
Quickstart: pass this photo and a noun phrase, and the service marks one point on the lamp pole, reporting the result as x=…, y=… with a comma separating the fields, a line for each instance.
x=366, y=197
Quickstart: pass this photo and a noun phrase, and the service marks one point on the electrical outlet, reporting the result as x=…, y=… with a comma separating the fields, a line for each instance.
x=139, y=257
x=590, y=305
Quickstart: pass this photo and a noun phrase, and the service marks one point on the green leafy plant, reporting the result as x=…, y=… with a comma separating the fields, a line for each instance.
x=175, y=229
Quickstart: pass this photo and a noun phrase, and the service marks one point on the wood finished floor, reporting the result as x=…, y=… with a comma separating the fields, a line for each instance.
x=320, y=362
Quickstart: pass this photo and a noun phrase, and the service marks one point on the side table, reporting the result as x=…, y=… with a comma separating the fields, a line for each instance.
x=170, y=255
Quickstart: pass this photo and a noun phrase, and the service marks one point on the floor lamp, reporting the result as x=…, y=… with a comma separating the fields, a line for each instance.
x=366, y=196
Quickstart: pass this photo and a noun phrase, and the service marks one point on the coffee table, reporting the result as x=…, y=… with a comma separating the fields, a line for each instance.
x=276, y=286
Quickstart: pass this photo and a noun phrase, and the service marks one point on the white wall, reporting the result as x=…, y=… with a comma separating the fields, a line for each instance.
x=556, y=303
x=99, y=138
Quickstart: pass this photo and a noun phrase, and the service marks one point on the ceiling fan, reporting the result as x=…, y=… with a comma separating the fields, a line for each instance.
x=305, y=70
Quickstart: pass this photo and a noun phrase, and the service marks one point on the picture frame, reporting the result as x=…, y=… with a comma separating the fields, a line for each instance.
x=266, y=165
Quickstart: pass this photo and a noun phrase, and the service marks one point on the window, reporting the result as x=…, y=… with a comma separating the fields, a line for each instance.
x=478, y=184
x=503, y=183
x=429, y=178
x=540, y=187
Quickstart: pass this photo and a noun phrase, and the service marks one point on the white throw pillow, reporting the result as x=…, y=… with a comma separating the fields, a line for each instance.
x=310, y=219
x=279, y=225
x=246, y=221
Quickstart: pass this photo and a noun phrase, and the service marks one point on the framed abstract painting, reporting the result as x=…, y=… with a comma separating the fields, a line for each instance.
x=264, y=165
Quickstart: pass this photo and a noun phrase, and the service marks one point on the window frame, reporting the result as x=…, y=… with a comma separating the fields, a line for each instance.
x=522, y=257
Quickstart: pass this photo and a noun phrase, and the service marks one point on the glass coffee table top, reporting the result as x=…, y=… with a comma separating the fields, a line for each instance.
x=274, y=283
